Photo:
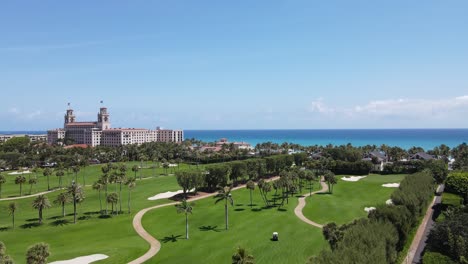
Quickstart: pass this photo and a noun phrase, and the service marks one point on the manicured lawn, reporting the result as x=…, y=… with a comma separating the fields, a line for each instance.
x=210, y=243
x=349, y=199
x=113, y=236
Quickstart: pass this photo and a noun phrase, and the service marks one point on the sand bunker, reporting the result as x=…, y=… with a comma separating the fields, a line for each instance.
x=82, y=260
x=391, y=185
x=389, y=202
x=19, y=172
x=166, y=195
x=368, y=209
x=353, y=178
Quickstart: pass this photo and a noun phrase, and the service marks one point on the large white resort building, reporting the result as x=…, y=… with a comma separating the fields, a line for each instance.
x=100, y=132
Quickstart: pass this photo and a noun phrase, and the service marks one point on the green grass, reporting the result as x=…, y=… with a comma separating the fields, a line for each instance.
x=349, y=199
x=451, y=199
x=90, y=173
x=113, y=236
x=210, y=243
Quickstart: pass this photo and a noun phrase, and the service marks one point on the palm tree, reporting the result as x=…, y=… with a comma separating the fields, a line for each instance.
x=104, y=180
x=32, y=181
x=60, y=175
x=251, y=186
x=38, y=254
x=12, y=208
x=112, y=198
x=121, y=178
x=241, y=256
x=186, y=208
x=131, y=183
x=61, y=200
x=165, y=166
x=76, y=169
x=98, y=186
x=331, y=180
x=47, y=172
x=20, y=180
x=2, y=181
x=40, y=203
x=135, y=169
x=225, y=194
x=77, y=195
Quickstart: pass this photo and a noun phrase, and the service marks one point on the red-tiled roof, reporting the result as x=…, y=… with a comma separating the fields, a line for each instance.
x=76, y=146
x=81, y=124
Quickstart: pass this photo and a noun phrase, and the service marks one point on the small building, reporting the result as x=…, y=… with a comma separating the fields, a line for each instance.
x=422, y=156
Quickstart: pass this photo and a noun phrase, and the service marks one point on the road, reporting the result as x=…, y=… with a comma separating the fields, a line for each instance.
x=419, y=241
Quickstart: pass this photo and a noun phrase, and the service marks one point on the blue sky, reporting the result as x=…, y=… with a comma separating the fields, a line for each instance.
x=235, y=64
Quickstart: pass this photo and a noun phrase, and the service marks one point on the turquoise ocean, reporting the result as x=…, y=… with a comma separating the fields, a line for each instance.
x=405, y=138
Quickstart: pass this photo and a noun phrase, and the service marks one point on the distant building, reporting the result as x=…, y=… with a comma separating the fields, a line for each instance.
x=100, y=133
x=422, y=156
x=32, y=138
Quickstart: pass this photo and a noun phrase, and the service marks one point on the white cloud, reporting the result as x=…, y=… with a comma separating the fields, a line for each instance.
x=14, y=110
x=318, y=106
x=34, y=114
x=405, y=108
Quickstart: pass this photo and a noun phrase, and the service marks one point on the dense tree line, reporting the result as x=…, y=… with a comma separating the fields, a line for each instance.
x=380, y=237
x=450, y=236
x=457, y=182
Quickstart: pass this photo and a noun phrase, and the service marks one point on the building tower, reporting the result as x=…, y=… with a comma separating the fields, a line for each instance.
x=69, y=116
x=103, y=119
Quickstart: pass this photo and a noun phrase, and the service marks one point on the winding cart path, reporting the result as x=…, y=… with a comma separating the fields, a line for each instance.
x=302, y=203
x=155, y=245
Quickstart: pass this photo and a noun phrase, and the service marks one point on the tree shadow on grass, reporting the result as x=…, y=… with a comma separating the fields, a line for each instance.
x=92, y=213
x=60, y=222
x=84, y=217
x=171, y=238
x=282, y=209
x=32, y=220
x=323, y=193
x=105, y=216
x=4, y=228
x=55, y=217
x=239, y=209
x=30, y=225
x=210, y=228
x=239, y=204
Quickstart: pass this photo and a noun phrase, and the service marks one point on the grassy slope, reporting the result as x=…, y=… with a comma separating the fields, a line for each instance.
x=91, y=173
x=349, y=199
x=114, y=236
x=250, y=229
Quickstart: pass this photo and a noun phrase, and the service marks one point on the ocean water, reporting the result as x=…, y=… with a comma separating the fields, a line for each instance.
x=404, y=138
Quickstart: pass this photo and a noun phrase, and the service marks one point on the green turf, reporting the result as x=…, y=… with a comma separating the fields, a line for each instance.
x=114, y=237
x=210, y=243
x=90, y=173
x=349, y=199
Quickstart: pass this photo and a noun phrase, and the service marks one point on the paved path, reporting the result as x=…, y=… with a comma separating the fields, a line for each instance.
x=155, y=245
x=27, y=196
x=302, y=203
x=419, y=240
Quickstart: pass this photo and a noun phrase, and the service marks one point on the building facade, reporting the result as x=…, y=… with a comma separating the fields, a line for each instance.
x=32, y=138
x=100, y=132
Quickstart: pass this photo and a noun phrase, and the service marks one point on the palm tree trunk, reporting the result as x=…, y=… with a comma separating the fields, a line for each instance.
x=250, y=198
x=186, y=226
x=21, y=189
x=84, y=172
x=13, y=214
x=40, y=215
x=106, y=199
x=74, y=209
x=100, y=202
x=129, y=193
x=48, y=183
x=226, y=214
x=63, y=209
x=120, y=197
